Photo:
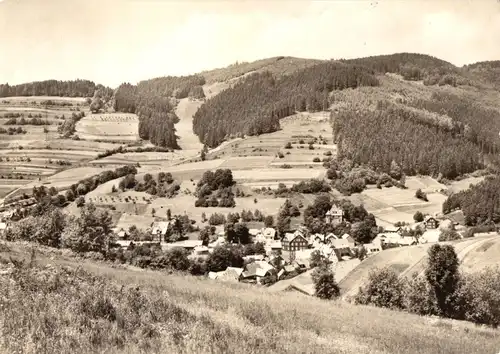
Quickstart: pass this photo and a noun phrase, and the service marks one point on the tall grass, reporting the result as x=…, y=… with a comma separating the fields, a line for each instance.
x=95, y=308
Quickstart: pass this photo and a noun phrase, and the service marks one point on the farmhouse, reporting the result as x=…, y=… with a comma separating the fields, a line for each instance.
x=335, y=215
x=393, y=230
x=257, y=270
x=430, y=222
x=294, y=242
x=264, y=235
x=342, y=247
x=372, y=247
x=188, y=245
x=231, y=274
x=160, y=228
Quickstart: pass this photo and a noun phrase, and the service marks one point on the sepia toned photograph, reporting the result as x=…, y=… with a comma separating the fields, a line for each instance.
x=249, y=177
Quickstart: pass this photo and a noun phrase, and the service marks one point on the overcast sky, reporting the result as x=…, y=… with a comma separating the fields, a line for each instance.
x=115, y=41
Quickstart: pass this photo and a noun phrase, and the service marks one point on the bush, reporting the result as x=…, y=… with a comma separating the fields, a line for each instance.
x=418, y=216
x=288, y=145
x=421, y=195
x=383, y=289
x=316, y=159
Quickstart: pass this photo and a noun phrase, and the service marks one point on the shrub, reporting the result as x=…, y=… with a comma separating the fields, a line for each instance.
x=383, y=289
x=288, y=145
x=421, y=195
x=418, y=216
x=325, y=286
x=316, y=159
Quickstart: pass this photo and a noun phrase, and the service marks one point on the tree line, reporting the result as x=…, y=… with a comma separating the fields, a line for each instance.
x=71, y=88
x=396, y=133
x=256, y=104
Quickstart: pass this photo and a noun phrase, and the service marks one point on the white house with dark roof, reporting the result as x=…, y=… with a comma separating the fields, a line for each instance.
x=335, y=215
x=160, y=228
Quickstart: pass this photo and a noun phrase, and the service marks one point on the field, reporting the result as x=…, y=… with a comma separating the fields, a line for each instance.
x=32, y=158
x=189, y=315
x=113, y=127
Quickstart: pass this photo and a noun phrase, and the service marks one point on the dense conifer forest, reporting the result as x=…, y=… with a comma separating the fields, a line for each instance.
x=396, y=133
x=256, y=104
x=73, y=88
x=480, y=203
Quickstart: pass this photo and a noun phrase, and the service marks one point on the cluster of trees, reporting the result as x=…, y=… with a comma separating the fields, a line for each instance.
x=68, y=127
x=256, y=104
x=357, y=222
x=312, y=186
x=72, y=88
x=13, y=131
x=154, y=102
x=480, y=203
x=286, y=212
x=442, y=291
x=32, y=121
x=87, y=185
x=163, y=186
x=214, y=189
x=393, y=133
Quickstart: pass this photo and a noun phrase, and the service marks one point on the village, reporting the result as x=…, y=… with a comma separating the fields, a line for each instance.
x=286, y=257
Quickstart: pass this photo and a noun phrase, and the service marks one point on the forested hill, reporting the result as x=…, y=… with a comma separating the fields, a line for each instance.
x=72, y=88
x=257, y=103
x=154, y=102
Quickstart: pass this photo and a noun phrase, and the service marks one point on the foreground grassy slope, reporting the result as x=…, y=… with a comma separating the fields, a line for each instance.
x=409, y=260
x=127, y=311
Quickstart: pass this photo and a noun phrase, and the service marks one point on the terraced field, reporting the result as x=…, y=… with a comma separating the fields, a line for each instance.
x=113, y=127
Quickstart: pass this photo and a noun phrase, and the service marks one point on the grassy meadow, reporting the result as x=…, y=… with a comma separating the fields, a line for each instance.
x=59, y=304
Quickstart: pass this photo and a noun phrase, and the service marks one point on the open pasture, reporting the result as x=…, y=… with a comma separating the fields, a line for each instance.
x=458, y=186
x=185, y=204
x=485, y=255
x=276, y=175
x=425, y=183
x=112, y=127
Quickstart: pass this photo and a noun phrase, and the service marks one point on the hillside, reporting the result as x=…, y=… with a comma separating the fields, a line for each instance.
x=189, y=315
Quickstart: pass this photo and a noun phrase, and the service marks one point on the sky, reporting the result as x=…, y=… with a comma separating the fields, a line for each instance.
x=115, y=41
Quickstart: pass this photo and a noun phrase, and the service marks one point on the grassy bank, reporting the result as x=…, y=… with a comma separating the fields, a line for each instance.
x=61, y=304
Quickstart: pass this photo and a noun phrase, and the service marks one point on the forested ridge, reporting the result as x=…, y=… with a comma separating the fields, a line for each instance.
x=257, y=103
x=71, y=88
x=154, y=102
x=397, y=133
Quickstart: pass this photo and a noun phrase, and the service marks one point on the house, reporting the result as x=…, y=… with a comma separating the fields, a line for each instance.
x=257, y=270
x=3, y=227
x=294, y=242
x=407, y=241
x=188, y=245
x=253, y=257
x=219, y=242
x=269, y=233
x=349, y=239
x=120, y=233
x=393, y=229
x=160, y=228
x=372, y=247
x=430, y=236
x=335, y=215
x=231, y=274
x=341, y=247
x=273, y=247
x=201, y=251
x=430, y=222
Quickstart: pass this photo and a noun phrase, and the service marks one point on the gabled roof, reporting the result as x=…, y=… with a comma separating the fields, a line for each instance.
x=289, y=268
x=392, y=229
x=331, y=235
x=407, y=240
x=186, y=244
x=430, y=236
x=346, y=236
x=372, y=245
x=257, y=268
x=160, y=226
x=335, y=210
x=275, y=245
x=269, y=232
x=290, y=237
x=340, y=243
x=429, y=217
